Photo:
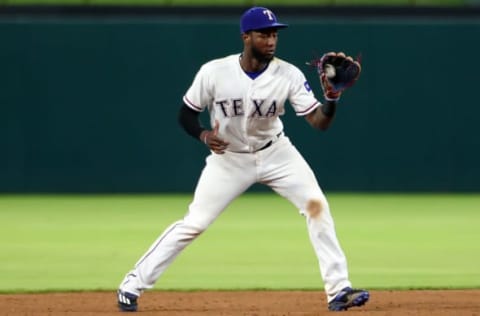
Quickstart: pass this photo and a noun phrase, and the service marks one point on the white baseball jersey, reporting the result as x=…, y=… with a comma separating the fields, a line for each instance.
x=248, y=110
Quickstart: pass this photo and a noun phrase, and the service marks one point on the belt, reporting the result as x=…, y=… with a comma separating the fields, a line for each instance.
x=270, y=142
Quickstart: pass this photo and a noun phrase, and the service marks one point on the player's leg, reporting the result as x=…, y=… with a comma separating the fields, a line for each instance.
x=223, y=179
x=285, y=170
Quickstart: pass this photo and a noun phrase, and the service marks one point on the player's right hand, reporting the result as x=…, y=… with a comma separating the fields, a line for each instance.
x=211, y=139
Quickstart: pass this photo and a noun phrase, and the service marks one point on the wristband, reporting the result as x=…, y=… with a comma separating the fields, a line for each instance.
x=329, y=108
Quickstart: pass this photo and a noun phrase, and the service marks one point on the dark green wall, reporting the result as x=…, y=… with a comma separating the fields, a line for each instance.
x=90, y=104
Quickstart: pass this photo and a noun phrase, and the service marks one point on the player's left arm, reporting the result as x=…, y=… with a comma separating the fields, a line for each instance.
x=336, y=72
x=322, y=117
x=303, y=100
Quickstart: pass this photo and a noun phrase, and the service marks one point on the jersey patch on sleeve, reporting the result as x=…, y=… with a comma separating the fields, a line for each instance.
x=307, y=86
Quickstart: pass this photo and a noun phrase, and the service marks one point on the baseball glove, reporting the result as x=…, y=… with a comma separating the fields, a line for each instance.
x=337, y=72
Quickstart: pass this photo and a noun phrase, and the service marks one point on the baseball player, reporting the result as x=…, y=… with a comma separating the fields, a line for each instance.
x=245, y=96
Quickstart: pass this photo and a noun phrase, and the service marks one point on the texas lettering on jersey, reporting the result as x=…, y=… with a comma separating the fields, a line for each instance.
x=260, y=108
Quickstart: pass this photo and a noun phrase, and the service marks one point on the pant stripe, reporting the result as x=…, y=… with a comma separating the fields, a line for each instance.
x=156, y=245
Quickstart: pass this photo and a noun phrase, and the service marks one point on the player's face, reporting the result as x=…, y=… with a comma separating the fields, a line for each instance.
x=264, y=43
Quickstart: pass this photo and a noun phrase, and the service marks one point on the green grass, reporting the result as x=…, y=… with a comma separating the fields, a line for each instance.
x=89, y=242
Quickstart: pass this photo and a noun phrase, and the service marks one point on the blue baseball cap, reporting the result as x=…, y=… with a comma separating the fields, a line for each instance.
x=258, y=18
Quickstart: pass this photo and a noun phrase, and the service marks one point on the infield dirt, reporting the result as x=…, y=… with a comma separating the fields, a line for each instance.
x=233, y=303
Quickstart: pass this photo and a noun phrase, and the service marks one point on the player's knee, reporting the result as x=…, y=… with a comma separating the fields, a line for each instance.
x=315, y=207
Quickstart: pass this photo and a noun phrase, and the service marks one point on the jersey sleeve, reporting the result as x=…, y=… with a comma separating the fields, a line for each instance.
x=198, y=96
x=301, y=96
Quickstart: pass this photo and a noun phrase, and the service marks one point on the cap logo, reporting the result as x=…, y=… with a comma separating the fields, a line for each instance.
x=269, y=14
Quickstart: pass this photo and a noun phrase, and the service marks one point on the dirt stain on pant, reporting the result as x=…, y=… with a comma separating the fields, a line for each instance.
x=314, y=208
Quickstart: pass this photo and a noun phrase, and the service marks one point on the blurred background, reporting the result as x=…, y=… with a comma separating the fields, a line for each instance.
x=90, y=90
x=89, y=96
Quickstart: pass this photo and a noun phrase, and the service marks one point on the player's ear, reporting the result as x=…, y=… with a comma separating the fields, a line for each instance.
x=244, y=36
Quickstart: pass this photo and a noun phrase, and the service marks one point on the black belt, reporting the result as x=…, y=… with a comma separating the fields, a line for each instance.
x=270, y=142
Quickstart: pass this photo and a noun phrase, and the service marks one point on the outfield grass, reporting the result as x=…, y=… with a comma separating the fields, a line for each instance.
x=89, y=242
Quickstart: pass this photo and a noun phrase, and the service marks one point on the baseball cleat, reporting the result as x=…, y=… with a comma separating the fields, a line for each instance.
x=347, y=298
x=127, y=302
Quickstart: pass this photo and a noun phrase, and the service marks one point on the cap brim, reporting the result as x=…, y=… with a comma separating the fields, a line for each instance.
x=270, y=26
